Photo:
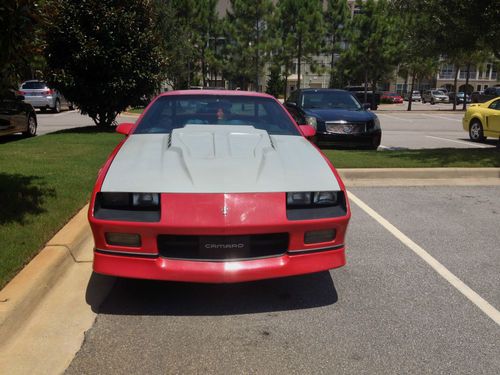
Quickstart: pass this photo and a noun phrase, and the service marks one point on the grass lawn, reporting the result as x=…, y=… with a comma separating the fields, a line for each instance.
x=426, y=158
x=44, y=181
x=136, y=110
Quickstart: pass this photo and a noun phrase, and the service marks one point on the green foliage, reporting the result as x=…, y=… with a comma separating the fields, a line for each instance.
x=374, y=43
x=337, y=24
x=249, y=40
x=275, y=83
x=301, y=28
x=18, y=24
x=105, y=54
x=189, y=31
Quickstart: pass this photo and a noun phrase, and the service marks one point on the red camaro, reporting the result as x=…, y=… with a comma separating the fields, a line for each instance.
x=217, y=187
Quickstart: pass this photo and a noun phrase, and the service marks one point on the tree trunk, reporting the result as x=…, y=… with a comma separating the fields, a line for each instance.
x=466, y=87
x=257, y=58
x=299, y=55
x=203, y=68
x=410, y=96
x=373, y=105
x=366, y=87
x=332, y=63
x=455, y=82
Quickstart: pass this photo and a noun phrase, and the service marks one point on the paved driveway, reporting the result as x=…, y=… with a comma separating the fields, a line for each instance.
x=387, y=312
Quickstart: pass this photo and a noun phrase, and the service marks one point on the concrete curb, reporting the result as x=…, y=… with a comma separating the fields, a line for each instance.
x=20, y=297
x=420, y=176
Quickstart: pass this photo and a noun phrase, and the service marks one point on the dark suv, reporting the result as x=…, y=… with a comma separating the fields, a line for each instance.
x=339, y=118
x=488, y=94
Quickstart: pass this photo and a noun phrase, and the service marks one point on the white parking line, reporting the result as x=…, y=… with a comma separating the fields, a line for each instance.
x=394, y=117
x=63, y=113
x=475, y=298
x=461, y=142
x=441, y=117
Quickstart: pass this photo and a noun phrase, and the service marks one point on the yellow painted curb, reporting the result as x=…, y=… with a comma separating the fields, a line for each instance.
x=23, y=293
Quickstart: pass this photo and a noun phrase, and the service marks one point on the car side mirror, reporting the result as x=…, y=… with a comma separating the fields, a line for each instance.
x=291, y=104
x=367, y=106
x=307, y=130
x=125, y=128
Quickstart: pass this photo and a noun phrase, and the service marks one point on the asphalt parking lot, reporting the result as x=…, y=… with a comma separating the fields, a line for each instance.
x=401, y=129
x=386, y=312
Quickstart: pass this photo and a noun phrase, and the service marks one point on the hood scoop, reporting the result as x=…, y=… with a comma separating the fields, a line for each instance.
x=220, y=142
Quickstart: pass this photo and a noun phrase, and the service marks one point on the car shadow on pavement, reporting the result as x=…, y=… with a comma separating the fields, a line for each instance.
x=91, y=129
x=11, y=138
x=21, y=195
x=147, y=297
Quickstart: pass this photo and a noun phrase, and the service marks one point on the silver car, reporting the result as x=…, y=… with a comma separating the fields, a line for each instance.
x=435, y=96
x=415, y=96
x=41, y=96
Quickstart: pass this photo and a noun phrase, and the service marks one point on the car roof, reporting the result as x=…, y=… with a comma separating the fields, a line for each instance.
x=218, y=93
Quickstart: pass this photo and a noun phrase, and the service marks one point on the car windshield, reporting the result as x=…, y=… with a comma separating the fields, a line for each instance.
x=416, y=93
x=331, y=100
x=34, y=85
x=438, y=93
x=176, y=111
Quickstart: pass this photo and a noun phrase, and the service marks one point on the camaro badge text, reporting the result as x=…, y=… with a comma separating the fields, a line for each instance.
x=225, y=210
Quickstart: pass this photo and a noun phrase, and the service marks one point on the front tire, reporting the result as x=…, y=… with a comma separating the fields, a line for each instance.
x=31, y=127
x=476, y=133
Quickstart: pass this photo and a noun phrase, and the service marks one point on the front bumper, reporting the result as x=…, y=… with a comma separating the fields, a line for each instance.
x=201, y=215
x=159, y=268
x=368, y=139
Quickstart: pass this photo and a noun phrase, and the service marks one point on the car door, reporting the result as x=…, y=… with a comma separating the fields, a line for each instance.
x=11, y=115
x=493, y=118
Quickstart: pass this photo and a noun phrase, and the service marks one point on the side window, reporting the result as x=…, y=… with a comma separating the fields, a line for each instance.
x=495, y=105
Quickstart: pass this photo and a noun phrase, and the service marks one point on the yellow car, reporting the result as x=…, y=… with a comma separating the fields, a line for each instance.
x=483, y=120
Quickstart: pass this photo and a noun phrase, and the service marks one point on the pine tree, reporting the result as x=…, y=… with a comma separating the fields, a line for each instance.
x=301, y=29
x=374, y=44
x=337, y=22
x=249, y=34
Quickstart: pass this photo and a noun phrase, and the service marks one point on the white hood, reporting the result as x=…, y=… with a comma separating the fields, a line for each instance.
x=218, y=159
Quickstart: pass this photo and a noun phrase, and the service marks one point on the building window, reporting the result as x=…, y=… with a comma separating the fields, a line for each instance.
x=494, y=74
x=463, y=72
x=478, y=87
x=446, y=71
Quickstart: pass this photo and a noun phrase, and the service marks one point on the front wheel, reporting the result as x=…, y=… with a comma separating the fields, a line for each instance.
x=476, y=133
x=31, y=127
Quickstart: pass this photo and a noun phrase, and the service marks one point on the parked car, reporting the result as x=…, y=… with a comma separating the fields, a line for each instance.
x=16, y=116
x=339, y=118
x=483, y=120
x=435, y=96
x=372, y=98
x=415, y=96
x=218, y=187
x=486, y=95
x=461, y=96
x=391, y=97
x=40, y=95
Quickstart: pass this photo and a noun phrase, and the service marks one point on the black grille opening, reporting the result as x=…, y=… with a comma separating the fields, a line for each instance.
x=222, y=248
